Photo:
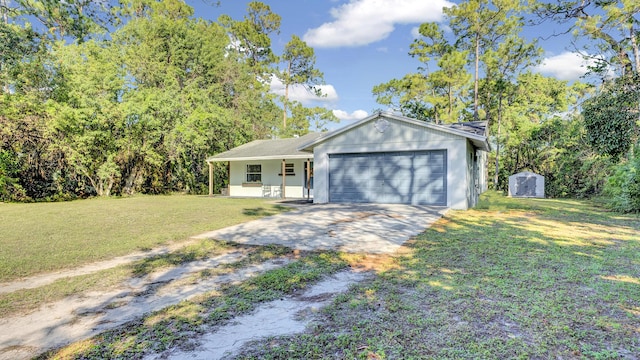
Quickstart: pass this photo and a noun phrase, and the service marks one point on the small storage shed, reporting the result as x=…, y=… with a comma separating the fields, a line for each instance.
x=526, y=184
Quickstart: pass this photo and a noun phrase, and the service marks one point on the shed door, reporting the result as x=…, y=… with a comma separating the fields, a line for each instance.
x=394, y=177
x=526, y=186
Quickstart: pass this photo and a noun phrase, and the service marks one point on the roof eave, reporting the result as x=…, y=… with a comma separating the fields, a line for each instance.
x=481, y=144
x=258, y=158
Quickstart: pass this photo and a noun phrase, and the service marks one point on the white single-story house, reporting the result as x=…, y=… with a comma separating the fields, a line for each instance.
x=384, y=158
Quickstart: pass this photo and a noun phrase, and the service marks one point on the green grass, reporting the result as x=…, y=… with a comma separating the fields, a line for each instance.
x=26, y=300
x=180, y=325
x=515, y=278
x=44, y=237
x=512, y=279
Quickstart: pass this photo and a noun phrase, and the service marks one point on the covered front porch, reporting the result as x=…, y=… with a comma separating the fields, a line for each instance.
x=266, y=168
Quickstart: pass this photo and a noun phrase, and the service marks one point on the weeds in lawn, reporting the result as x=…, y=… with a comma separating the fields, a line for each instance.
x=42, y=237
x=262, y=211
x=177, y=325
x=23, y=301
x=514, y=279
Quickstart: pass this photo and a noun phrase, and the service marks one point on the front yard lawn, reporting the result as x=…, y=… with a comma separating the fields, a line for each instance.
x=515, y=278
x=41, y=237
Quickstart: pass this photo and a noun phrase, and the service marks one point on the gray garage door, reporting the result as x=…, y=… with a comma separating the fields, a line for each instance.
x=394, y=177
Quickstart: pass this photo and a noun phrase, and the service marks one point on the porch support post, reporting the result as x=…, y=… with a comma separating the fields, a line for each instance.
x=211, y=180
x=228, y=193
x=284, y=181
x=308, y=179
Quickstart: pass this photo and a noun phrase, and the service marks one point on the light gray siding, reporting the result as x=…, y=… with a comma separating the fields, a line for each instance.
x=398, y=136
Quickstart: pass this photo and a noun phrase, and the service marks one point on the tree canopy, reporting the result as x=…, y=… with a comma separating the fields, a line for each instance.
x=138, y=109
x=104, y=97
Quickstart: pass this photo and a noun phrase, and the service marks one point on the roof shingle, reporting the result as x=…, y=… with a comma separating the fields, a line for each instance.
x=268, y=149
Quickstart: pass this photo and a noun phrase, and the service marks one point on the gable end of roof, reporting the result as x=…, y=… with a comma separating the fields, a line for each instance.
x=474, y=131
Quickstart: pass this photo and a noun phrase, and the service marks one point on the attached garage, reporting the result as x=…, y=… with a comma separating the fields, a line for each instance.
x=408, y=177
x=387, y=158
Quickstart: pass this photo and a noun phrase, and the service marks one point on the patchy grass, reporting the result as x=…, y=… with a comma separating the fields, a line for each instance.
x=515, y=278
x=179, y=325
x=26, y=300
x=44, y=237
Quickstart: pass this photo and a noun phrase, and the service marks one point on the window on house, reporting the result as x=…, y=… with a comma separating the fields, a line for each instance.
x=289, y=170
x=254, y=173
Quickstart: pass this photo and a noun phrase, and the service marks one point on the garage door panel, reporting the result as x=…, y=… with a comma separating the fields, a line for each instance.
x=430, y=199
x=398, y=177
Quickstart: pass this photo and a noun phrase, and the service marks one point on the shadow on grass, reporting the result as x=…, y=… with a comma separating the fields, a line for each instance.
x=199, y=251
x=261, y=211
x=181, y=324
x=517, y=279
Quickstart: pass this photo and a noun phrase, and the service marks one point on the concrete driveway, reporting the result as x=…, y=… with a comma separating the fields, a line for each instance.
x=358, y=228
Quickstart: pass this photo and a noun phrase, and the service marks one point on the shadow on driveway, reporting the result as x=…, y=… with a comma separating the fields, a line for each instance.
x=359, y=228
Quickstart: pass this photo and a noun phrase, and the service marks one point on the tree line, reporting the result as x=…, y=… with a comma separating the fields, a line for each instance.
x=101, y=98
x=477, y=65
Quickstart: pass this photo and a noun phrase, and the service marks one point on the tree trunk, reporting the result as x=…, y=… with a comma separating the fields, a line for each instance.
x=5, y=19
x=286, y=98
x=450, y=103
x=284, y=107
x=131, y=180
x=4, y=10
x=109, y=186
x=496, y=176
x=476, y=116
x=634, y=46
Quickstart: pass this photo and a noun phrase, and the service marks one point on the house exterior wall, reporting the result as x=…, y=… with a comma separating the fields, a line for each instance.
x=483, y=162
x=271, y=180
x=476, y=174
x=472, y=174
x=398, y=136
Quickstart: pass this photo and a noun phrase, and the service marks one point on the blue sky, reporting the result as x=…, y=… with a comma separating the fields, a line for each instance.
x=362, y=43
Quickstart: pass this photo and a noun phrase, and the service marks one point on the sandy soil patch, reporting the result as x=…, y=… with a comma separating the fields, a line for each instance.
x=80, y=317
x=287, y=316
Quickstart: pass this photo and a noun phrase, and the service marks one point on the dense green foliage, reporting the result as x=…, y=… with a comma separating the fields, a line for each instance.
x=556, y=149
x=612, y=117
x=101, y=98
x=623, y=187
x=572, y=133
x=135, y=110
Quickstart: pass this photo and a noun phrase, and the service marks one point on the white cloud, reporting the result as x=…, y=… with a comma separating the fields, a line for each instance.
x=362, y=22
x=301, y=94
x=356, y=115
x=566, y=66
x=415, y=32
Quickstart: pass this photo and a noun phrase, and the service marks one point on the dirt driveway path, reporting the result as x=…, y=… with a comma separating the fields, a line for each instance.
x=358, y=228
x=352, y=228
x=85, y=315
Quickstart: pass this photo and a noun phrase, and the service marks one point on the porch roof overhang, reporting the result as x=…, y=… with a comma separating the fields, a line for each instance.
x=275, y=149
